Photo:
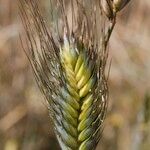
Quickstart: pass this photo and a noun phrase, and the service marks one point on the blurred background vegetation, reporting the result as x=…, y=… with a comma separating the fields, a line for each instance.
x=24, y=120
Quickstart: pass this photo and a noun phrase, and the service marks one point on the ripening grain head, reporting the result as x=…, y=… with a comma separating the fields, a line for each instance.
x=68, y=60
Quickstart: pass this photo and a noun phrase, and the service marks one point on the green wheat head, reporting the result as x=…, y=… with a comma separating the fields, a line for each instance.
x=81, y=109
x=68, y=62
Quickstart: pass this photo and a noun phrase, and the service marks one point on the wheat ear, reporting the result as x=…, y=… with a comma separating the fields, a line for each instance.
x=69, y=69
x=82, y=109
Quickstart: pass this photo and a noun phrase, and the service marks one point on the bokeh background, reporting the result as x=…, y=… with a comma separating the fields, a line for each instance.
x=24, y=120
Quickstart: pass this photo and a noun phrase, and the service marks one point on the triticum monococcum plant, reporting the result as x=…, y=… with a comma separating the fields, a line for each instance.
x=69, y=62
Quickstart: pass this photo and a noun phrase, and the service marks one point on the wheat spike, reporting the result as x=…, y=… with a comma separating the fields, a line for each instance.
x=69, y=70
x=79, y=99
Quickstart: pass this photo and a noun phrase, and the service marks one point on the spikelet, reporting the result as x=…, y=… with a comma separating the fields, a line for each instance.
x=111, y=7
x=69, y=69
x=119, y=4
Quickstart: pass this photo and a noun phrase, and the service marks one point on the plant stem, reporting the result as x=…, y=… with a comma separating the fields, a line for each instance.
x=109, y=32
